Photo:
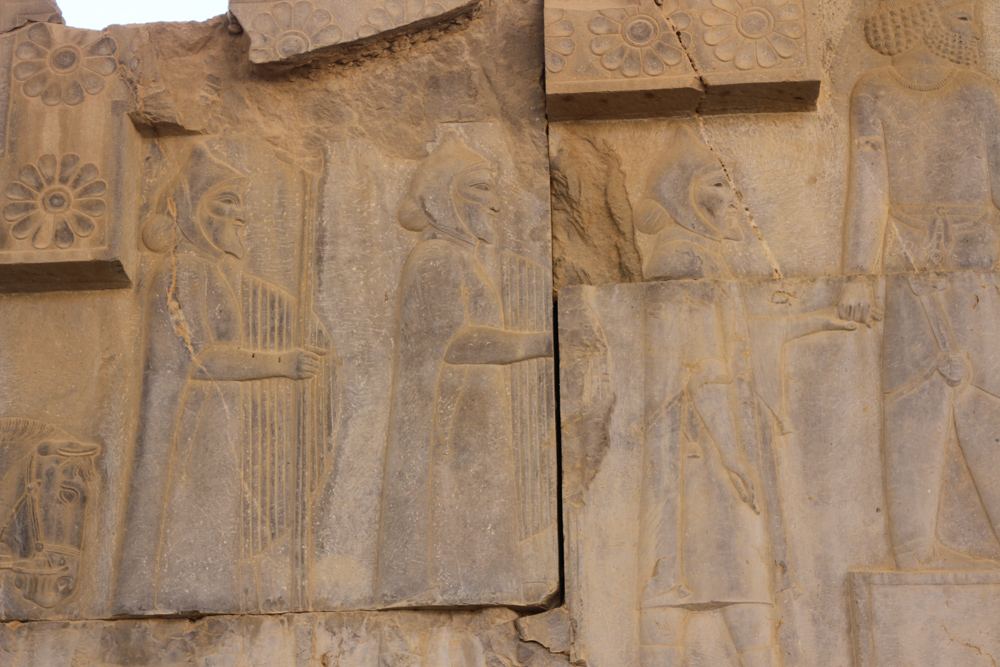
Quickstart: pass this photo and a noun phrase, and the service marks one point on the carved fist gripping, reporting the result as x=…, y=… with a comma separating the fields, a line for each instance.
x=304, y=363
x=857, y=304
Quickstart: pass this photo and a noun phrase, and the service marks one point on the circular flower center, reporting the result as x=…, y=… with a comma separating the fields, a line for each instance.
x=66, y=58
x=292, y=44
x=755, y=23
x=640, y=31
x=57, y=200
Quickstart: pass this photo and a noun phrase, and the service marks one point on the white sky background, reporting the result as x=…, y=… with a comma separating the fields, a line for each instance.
x=98, y=14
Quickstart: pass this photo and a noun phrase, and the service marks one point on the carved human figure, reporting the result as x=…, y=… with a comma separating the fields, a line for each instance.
x=448, y=528
x=705, y=538
x=922, y=211
x=43, y=502
x=181, y=541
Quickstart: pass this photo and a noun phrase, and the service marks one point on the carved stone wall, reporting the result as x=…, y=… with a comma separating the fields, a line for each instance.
x=513, y=333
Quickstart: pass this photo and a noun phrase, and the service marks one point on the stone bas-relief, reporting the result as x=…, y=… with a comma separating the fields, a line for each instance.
x=247, y=424
x=325, y=380
x=314, y=422
x=295, y=30
x=449, y=528
x=68, y=215
x=651, y=58
x=863, y=411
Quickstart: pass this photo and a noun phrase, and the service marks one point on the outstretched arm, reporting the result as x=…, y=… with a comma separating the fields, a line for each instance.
x=478, y=344
x=226, y=363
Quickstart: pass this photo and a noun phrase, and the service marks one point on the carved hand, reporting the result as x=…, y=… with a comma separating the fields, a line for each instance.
x=827, y=319
x=740, y=479
x=857, y=304
x=303, y=364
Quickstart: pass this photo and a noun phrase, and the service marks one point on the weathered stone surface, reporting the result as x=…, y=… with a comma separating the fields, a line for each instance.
x=315, y=425
x=16, y=13
x=394, y=639
x=641, y=58
x=294, y=30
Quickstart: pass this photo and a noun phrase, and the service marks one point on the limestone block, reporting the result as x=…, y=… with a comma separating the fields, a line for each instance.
x=295, y=30
x=925, y=619
x=16, y=13
x=67, y=161
x=331, y=386
x=640, y=58
x=388, y=639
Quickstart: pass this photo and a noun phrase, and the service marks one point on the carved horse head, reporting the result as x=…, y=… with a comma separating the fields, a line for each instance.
x=43, y=500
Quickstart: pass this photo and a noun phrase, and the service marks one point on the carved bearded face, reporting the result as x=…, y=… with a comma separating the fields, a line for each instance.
x=948, y=28
x=477, y=202
x=956, y=35
x=223, y=218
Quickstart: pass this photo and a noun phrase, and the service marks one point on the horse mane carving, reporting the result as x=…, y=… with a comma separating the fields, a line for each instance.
x=43, y=498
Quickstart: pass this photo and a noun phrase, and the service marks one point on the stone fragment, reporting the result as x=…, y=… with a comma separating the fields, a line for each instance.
x=16, y=13
x=551, y=629
x=66, y=161
x=284, y=31
x=642, y=58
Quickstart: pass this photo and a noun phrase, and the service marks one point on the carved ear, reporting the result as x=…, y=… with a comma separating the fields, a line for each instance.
x=413, y=214
x=160, y=233
x=650, y=217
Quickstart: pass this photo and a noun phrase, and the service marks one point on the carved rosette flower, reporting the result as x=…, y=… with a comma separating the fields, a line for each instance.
x=396, y=13
x=292, y=29
x=559, y=42
x=637, y=40
x=755, y=33
x=63, y=72
x=55, y=202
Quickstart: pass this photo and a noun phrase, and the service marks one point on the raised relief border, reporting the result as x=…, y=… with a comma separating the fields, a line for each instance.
x=646, y=58
x=924, y=619
x=290, y=32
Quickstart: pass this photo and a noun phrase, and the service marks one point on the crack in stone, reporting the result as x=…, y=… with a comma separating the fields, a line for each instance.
x=968, y=645
x=703, y=131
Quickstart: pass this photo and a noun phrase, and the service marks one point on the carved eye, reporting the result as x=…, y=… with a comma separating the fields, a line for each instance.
x=68, y=494
x=228, y=200
x=483, y=187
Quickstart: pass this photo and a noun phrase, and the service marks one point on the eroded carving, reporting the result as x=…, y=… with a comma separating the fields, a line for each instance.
x=922, y=211
x=63, y=72
x=43, y=509
x=55, y=202
x=288, y=30
x=559, y=41
x=449, y=530
x=395, y=13
x=237, y=414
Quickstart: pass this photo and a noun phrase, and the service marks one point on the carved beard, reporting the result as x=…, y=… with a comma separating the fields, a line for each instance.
x=952, y=46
